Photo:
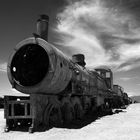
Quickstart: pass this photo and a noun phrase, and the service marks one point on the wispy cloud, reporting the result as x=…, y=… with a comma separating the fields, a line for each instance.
x=107, y=35
x=125, y=78
x=131, y=93
x=3, y=67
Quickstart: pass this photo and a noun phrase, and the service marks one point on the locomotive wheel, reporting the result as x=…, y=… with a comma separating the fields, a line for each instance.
x=52, y=114
x=78, y=109
x=55, y=118
x=87, y=105
x=67, y=111
x=9, y=125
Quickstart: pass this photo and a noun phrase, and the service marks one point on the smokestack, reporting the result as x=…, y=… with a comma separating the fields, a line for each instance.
x=42, y=26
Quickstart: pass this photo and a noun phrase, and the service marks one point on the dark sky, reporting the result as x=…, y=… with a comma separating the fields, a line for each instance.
x=18, y=21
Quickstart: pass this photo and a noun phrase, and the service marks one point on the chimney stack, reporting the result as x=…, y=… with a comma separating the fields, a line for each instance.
x=42, y=26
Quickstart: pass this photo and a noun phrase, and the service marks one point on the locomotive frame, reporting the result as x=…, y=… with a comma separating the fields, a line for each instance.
x=66, y=93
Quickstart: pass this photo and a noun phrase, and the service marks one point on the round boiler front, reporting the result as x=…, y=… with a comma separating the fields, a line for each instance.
x=37, y=67
x=29, y=65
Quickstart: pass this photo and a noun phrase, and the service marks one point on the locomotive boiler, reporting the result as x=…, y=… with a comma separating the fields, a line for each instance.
x=60, y=89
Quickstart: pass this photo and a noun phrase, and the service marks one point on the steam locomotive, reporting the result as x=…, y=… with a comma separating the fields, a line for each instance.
x=59, y=89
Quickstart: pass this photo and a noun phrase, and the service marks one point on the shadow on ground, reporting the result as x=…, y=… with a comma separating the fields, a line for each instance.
x=91, y=117
x=87, y=119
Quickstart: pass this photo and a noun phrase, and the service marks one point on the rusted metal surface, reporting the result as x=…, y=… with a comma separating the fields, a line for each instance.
x=56, y=84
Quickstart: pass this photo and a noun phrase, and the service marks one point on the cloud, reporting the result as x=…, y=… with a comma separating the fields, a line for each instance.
x=128, y=78
x=3, y=67
x=129, y=64
x=131, y=93
x=125, y=78
x=138, y=84
x=105, y=31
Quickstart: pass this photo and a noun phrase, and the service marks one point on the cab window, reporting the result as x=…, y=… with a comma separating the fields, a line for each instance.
x=107, y=74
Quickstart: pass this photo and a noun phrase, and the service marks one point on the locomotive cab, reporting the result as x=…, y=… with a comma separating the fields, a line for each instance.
x=107, y=75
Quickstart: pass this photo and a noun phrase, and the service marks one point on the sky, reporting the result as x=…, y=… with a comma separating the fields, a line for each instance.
x=107, y=32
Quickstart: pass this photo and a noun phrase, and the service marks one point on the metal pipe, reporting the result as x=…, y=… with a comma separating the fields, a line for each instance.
x=42, y=26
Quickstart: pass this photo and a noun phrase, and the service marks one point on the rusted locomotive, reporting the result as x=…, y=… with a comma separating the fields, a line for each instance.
x=60, y=89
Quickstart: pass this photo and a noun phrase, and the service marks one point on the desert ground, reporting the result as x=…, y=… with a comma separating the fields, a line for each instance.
x=124, y=125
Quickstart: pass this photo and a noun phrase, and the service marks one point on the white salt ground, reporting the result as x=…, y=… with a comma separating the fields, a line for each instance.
x=121, y=126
